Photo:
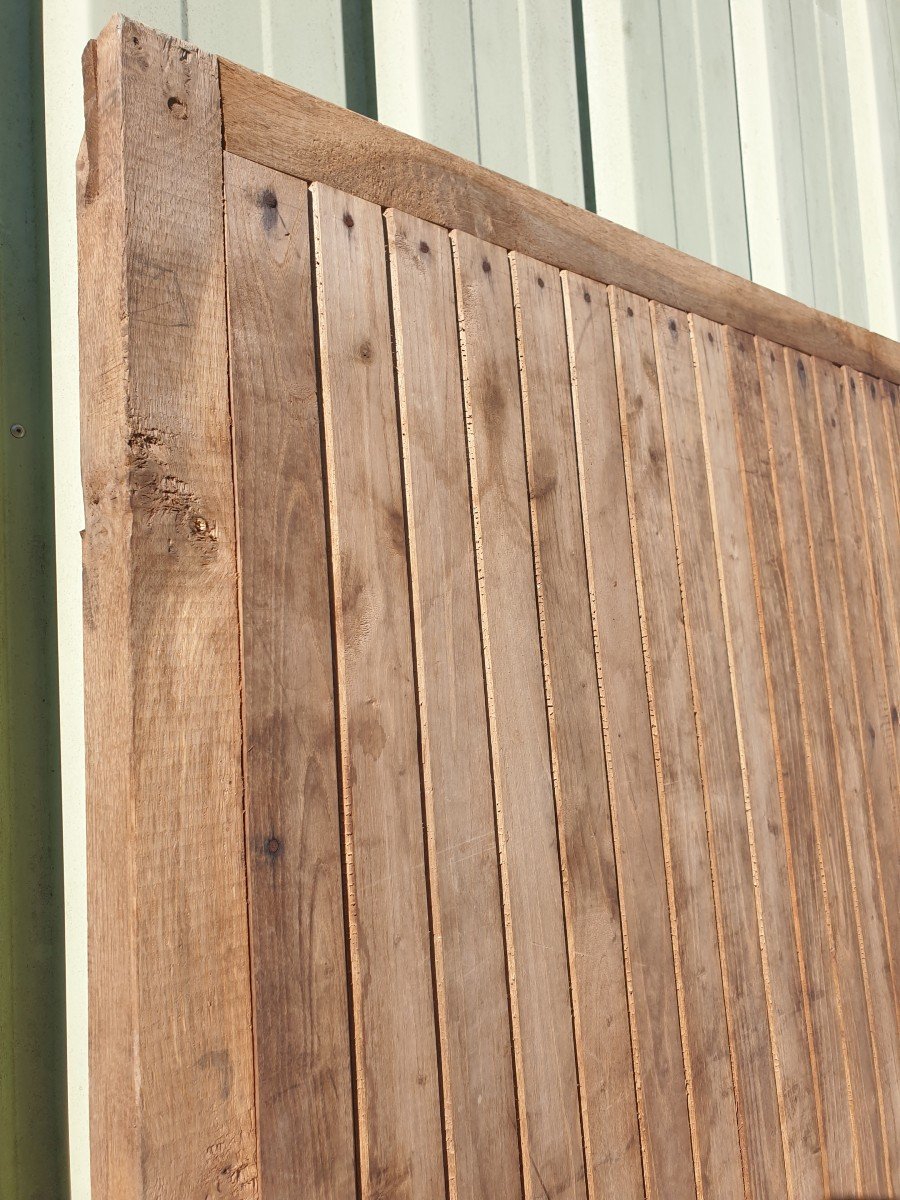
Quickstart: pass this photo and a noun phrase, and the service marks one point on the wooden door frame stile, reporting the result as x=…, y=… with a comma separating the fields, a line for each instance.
x=172, y=1079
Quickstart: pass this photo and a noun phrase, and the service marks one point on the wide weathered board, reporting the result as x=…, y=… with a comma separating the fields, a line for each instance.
x=492, y=666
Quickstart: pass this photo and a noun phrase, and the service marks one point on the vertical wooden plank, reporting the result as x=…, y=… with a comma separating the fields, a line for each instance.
x=520, y=751
x=890, y=395
x=708, y=1051
x=856, y=430
x=398, y=1089
x=846, y=723
x=879, y=748
x=870, y=434
x=172, y=1092
x=599, y=982
x=802, y=825
x=827, y=782
x=641, y=839
x=764, y=787
x=301, y=1017
x=468, y=917
x=730, y=821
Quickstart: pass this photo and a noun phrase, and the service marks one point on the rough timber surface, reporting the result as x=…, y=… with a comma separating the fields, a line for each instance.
x=492, y=667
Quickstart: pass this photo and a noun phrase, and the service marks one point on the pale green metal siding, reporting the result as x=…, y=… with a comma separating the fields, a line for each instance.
x=33, y=1153
x=763, y=135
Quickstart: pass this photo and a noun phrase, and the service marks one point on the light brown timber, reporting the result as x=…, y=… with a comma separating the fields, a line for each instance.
x=792, y=1030
x=520, y=747
x=301, y=1026
x=478, y=1053
x=397, y=1063
x=801, y=823
x=867, y=656
x=827, y=782
x=637, y=809
x=294, y=132
x=841, y=692
x=732, y=833
x=598, y=985
x=719, y=1155
x=171, y=1052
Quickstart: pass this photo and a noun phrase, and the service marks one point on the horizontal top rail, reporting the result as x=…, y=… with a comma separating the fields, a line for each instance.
x=280, y=127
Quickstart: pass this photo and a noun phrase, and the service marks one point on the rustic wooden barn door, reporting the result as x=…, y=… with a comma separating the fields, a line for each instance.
x=491, y=624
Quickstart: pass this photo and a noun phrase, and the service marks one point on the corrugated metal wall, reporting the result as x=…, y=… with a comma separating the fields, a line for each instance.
x=762, y=135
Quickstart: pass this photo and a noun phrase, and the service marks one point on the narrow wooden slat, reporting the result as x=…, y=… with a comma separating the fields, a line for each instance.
x=870, y=433
x=598, y=985
x=856, y=431
x=301, y=1017
x=293, y=132
x=884, y=441
x=478, y=1057
x=802, y=826
x=827, y=783
x=640, y=838
x=846, y=724
x=520, y=749
x=765, y=796
x=890, y=396
x=878, y=742
x=398, y=1090
x=172, y=1077
x=731, y=829
x=708, y=1052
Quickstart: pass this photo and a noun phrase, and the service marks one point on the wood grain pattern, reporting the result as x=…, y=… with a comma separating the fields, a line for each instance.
x=291, y=131
x=708, y=1049
x=171, y=1045
x=856, y=430
x=301, y=1026
x=731, y=828
x=398, y=1089
x=828, y=786
x=841, y=689
x=879, y=747
x=521, y=753
x=641, y=854
x=790, y=1023
x=801, y=823
x=598, y=985
x=478, y=1052
x=492, y=699
x=869, y=412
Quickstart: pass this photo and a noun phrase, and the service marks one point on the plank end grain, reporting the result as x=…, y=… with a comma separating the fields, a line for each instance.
x=172, y=1078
